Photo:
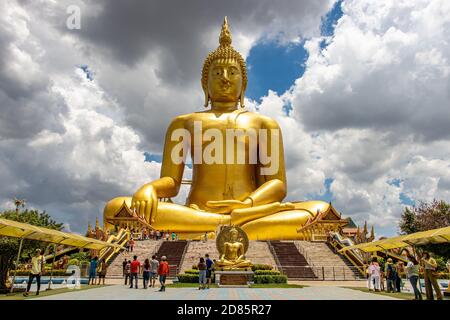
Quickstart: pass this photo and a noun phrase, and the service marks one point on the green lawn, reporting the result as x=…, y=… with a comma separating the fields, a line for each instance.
x=398, y=295
x=43, y=293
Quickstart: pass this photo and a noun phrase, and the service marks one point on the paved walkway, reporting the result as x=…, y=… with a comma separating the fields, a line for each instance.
x=120, y=292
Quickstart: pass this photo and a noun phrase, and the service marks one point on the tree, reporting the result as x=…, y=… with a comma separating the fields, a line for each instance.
x=408, y=222
x=427, y=216
x=9, y=247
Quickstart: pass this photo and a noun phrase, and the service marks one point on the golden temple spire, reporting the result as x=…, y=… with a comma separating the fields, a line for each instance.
x=96, y=223
x=372, y=233
x=89, y=228
x=225, y=34
x=365, y=228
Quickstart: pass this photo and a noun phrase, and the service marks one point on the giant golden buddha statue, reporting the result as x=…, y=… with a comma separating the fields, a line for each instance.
x=246, y=190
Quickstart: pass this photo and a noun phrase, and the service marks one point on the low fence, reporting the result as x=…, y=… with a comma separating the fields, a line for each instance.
x=333, y=273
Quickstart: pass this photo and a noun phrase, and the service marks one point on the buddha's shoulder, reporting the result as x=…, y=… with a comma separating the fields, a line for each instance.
x=181, y=119
x=265, y=121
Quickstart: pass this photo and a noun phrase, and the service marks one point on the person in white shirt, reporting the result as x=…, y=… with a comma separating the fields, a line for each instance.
x=374, y=274
x=412, y=270
x=37, y=263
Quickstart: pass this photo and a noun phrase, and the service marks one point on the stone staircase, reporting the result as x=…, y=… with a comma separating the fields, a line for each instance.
x=174, y=251
x=327, y=264
x=290, y=261
x=258, y=253
x=142, y=249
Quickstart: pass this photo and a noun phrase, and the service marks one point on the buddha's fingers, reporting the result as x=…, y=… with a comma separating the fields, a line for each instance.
x=147, y=211
x=137, y=205
x=154, y=208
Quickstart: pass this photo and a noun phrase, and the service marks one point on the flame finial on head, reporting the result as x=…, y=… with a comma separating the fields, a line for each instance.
x=225, y=34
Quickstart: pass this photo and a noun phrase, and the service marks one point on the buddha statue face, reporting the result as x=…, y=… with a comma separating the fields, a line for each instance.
x=233, y=235
x=224, y=74
x=225, y=81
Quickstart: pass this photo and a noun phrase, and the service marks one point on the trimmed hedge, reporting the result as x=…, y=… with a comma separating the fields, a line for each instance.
x=261, y=267
x=267, y=272
x=191, y=271
x=187, y=278
x=56, y=273
x=262, y=279
x=191, y=276
x=74, y=262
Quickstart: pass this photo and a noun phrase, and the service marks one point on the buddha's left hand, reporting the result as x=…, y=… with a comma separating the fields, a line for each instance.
x=226, y=206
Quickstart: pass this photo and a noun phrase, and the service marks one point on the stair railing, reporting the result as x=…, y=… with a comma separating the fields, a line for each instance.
x=121, y=239
x=304, y=253
x=353, y=258
x=182, y=257
x=275, y=256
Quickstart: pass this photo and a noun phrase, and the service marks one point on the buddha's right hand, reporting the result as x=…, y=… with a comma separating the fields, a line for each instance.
x=145, y=202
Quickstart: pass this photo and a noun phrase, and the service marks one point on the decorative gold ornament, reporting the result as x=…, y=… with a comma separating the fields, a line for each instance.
x=232, y=244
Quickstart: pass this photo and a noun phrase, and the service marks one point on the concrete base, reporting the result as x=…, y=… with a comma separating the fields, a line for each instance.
x=233, y=278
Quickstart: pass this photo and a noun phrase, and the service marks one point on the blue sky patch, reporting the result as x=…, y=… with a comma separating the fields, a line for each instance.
x=404, y=199
x=395, y=182
x=327, y=196
x=275, y=67
x=330, y=19
x=89, y=74
x=151, y=157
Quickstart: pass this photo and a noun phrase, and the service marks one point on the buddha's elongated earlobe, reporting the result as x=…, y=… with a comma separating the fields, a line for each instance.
x=206, y=99
x=241, y=99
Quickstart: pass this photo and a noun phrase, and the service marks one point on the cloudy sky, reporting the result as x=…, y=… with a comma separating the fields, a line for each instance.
x=360, y=88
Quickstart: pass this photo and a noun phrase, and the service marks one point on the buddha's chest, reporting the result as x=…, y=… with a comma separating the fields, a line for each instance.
x=233, y=248
x=222, y=123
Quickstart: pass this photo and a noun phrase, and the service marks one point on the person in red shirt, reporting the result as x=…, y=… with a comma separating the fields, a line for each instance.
x=131, y=243
x=163, y=272
x=135, y=269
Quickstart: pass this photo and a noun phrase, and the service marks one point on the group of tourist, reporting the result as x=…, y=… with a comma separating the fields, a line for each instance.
x=205, y=268
x=149, y=270
x=97, y=268
x=393, y=273
x=149, y=235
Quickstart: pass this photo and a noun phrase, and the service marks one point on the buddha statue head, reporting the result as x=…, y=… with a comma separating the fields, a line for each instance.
x=224, y=74
x=234, y=234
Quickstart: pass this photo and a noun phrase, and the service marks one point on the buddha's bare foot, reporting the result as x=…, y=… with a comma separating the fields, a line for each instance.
x=195, y=207
x=241, y=216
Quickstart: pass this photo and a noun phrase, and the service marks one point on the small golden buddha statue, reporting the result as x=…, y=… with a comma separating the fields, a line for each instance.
x=232, y=249
x=244, y=191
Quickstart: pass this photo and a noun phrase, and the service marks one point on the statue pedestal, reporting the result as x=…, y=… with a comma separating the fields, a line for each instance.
x=233, y=278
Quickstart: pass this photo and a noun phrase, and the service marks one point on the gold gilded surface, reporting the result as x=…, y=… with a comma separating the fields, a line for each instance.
x=232, y=244
x=222, y=193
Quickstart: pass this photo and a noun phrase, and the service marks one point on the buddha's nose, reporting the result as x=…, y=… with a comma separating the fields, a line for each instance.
x=225, y=77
